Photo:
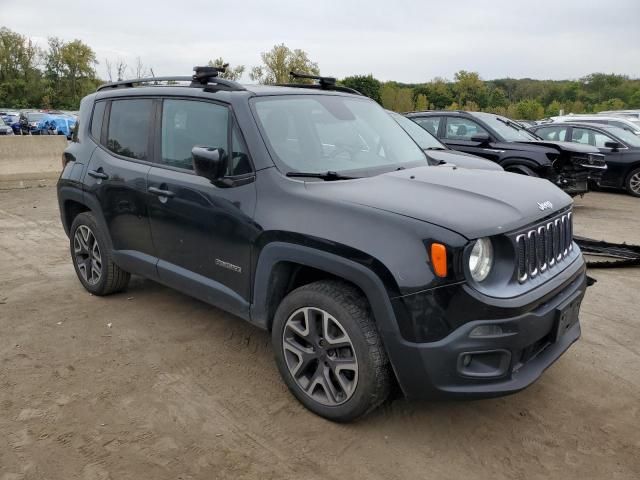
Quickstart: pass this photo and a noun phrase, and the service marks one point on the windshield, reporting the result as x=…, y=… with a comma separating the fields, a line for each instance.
x=419, y=134
x=626, y=136
x=320, y=133
x=33, y=117
x=506, y=128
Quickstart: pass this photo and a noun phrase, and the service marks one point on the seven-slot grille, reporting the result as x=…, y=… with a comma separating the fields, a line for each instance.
x=544, y=245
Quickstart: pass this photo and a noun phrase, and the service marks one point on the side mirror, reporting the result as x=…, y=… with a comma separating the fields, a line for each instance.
x=481, y=138
x=612, y=145
x=209, y=162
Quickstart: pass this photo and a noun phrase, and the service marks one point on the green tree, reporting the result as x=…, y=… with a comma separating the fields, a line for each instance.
x=20, y=78
x=230, y=73
x=365, y=84
x=529, y=110
x=611, y=104
x=553, y=108
x=398, y=99
x=469, y=87
x=278, y=62
x=422, y=103
x=70, y=71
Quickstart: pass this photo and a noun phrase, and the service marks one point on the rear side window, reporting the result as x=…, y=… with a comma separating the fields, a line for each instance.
x=96, y=120
x=128, y=133
x=462, y=129
x=552, y=133
x=187, y=123
x=430, y=124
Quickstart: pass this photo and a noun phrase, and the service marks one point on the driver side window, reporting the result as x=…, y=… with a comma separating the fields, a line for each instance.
x=462, y=129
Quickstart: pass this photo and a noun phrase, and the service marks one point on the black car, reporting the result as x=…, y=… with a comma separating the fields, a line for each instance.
x=437, y=152
x=569, y=166
x=621, y=150
x=309, y=212
x=29, y=123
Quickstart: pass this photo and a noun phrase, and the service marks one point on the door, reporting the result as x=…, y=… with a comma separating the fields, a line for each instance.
x=613, y=176
x=117, y=178
x=202, y=233
x=457, y=133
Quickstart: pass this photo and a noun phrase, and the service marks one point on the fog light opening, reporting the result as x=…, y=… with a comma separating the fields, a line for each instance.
x=486, y=331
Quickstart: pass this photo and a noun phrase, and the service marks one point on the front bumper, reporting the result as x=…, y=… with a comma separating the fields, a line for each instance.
x=505, y=363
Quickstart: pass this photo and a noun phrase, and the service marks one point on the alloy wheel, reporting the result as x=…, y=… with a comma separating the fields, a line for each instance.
x=634, y=183
x=87, y=255
x=320, y=356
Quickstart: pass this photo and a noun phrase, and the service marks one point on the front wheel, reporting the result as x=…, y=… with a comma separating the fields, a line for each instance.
x=329, y=352
x=633, y=183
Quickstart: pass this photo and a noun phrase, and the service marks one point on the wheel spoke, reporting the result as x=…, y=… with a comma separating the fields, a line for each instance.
x=304, y=356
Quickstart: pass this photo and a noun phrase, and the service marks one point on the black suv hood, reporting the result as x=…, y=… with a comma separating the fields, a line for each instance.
x=562, y=146
x=473, y=203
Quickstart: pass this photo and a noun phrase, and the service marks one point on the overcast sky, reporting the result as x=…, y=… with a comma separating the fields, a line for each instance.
x=404, y=40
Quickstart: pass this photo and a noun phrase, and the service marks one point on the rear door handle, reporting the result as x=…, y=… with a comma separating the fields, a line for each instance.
x=161, y=193
x=97, y=174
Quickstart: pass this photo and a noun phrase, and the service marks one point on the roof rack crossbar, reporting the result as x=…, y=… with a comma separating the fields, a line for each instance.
x=324, y=83
x=206, y=77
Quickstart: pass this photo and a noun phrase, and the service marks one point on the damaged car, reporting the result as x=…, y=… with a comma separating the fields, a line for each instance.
x=306, y=210
x=568, y=166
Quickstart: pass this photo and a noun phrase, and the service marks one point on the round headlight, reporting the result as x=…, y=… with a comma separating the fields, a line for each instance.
x=481, y=259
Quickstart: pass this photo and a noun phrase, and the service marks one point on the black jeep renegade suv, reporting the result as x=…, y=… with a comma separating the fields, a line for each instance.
x=310, y=212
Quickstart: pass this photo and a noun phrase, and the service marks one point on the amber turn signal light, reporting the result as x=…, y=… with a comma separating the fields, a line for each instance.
x=439, y=259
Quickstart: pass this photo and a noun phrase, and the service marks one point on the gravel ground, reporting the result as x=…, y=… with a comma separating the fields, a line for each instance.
x=151, y=384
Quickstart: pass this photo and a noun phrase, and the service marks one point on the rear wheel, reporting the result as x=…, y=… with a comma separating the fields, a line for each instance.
x=92, y=260
x=329, y=352
x=633, y=183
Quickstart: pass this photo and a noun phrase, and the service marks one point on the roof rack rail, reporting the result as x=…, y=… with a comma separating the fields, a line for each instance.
x=324, y=83
x=206, y=77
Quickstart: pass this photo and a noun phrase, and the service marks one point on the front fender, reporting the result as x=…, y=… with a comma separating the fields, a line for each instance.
x=356, y=273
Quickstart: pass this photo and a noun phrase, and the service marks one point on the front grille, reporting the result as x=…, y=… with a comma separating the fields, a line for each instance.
x=544, y=245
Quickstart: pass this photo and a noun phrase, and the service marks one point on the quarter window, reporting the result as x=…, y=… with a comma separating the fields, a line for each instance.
x=462, y=129
x=129, y=128
x=96, y=120
x=188, y=123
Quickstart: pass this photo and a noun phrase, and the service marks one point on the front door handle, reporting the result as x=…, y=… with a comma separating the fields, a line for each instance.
x=98, y=174
x=161, y=193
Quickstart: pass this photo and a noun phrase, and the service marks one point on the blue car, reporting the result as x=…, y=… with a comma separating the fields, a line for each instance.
x=12, y=119
x=54, y=124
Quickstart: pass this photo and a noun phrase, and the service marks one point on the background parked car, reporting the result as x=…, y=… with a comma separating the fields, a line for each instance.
x=12, y=119
x=633, y=114
x=57, y=125
x=620, y=147
x=29, y=121
x=5, y=129
x=517, y=150
x=616, y=121
x=437, y=152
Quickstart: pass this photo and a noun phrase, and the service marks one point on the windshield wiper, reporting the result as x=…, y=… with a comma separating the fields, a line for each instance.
x=435, y=148
x=327, y=176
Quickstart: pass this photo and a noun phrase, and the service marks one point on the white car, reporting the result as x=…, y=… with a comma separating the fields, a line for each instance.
x=630, y=124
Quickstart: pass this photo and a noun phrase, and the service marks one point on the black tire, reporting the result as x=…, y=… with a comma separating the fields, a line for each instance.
x=112, y=278
x=631, y=185
x=345, y=304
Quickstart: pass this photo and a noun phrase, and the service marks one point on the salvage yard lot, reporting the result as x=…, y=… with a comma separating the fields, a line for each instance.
x=151, y=384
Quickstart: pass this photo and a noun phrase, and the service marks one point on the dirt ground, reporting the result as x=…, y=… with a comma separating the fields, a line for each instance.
x=151, y=384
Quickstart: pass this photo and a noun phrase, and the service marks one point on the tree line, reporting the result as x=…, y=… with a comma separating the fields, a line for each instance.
x=60, y=74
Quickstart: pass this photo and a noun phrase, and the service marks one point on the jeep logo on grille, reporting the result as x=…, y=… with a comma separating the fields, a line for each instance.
x=545, y=205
